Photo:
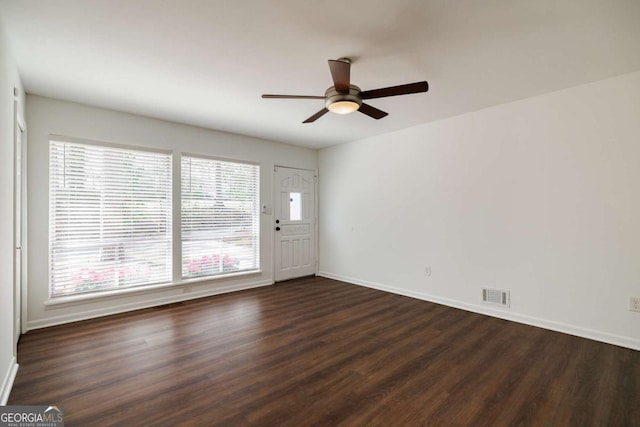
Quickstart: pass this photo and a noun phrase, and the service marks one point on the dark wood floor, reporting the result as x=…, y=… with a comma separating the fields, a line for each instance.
x=316, y=351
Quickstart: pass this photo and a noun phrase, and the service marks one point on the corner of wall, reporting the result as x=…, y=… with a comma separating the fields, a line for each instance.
x=7, y=383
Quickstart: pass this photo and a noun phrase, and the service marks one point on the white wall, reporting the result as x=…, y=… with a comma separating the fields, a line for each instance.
x=48, y=116
x=8, y=80
x=540, y=197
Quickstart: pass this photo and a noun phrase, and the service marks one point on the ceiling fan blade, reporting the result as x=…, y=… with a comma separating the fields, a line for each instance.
x=372, y=111
x=316, y=116
x=341, y=73
x=396, y=90
x=292, y=96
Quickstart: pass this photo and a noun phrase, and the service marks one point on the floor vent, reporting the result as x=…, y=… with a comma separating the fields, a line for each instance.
x=495, y=296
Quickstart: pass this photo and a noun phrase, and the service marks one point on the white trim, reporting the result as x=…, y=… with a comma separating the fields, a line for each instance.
x=176, y=217
x=25, y=229
x=20, y=125
x=566, y=328
x=114, y=145
x=316, y=219
x=7, y=383
x=79, y=299
x=169, y=299
x=217, y=158
x=292, y=167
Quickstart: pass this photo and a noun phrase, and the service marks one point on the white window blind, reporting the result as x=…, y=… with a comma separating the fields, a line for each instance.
x=110, y=218
x=220, y=217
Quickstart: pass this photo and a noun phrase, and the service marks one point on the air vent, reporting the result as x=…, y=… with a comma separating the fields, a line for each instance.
x=496, y=297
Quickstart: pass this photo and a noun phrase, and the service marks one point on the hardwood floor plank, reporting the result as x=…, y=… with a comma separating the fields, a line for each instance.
x=316, y=351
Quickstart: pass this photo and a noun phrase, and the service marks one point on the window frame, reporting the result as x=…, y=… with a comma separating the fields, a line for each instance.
x=178, y=201
x=176, y=279
x=112, y=246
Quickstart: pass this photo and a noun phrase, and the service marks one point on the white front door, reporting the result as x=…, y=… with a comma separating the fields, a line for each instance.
x=294, y=222
x=18, y=201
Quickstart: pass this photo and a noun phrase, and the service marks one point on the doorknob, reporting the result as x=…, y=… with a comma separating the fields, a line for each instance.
x=277, y=221
x=277, y=228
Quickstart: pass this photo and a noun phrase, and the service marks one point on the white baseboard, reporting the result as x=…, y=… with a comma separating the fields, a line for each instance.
x=154, y=302
x=605, y=337
x=7, y=382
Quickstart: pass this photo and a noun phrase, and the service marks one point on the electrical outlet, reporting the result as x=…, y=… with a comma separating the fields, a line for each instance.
x=634, y=303
x=427, y=271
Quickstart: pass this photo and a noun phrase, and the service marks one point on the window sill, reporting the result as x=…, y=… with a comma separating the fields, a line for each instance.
x=138, y=290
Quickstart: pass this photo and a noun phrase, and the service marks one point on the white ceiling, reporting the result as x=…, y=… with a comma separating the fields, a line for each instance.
x=206, y=63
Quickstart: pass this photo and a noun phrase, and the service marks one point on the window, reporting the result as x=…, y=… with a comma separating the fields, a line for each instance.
x=110, y=214
x=220, y=217
x=110, y=218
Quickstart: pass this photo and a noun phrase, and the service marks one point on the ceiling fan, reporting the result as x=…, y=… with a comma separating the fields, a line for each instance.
x=345, y=98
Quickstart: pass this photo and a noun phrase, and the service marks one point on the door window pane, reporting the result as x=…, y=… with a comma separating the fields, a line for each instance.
x=295, y=206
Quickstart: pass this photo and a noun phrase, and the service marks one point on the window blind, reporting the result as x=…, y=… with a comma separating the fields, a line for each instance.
x=110, y=218
x=220, y=217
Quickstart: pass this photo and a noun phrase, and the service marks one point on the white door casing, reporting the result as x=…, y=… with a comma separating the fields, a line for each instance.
x=294, y=223
x=18, y=223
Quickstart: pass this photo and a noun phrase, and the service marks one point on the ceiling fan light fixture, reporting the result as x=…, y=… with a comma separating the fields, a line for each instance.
x=343, y=103
x=343, y=107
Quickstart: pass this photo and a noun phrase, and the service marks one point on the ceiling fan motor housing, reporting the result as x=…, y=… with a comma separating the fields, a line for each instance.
x=332, y=96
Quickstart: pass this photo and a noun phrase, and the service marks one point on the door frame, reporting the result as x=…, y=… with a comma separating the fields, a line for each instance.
x=315, y=215
x=19, y=125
